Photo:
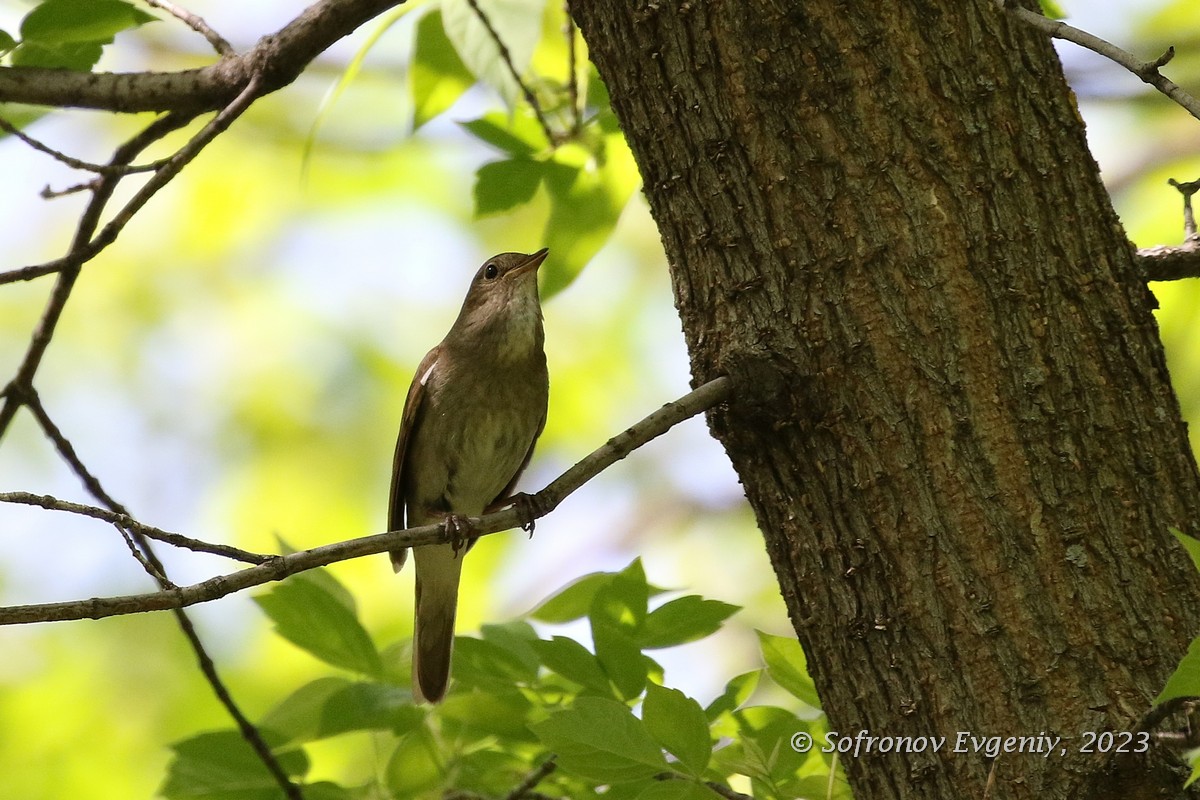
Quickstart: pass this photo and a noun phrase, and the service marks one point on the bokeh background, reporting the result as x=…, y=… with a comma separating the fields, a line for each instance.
x=234, y=367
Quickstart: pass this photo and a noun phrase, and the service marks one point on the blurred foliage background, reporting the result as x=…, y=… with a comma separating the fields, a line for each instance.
x=234, y=367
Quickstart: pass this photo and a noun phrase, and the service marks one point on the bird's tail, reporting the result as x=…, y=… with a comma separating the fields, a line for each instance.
x=438, y=569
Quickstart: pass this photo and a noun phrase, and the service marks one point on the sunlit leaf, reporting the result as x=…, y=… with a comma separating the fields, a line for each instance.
x=349, y=74
x=221, y=766
x=737, y=691
x=677, y=722
x=787, y=666
x=56, y=22
x=1190, y=544
x=685, y=619
x=677, y=790
x=574, y=601
x=80, y=56
x=331, y=706
x=518, y=23
x=7, y=42
x=601, y=740
x=1185, y=680
x=517, y=134
x=310, y=617
x=586, y=201
x=574, y=662
x=415, y=765
x=503, y=185
x=437, y=75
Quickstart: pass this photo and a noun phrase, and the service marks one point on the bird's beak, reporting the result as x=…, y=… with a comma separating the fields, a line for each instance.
x=531, y=263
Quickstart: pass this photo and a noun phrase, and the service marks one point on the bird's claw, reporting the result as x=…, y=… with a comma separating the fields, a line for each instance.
x=459, y=529
x=528, y=510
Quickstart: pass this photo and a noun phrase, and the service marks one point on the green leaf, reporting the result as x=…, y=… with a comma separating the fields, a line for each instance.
x=574, y=662
x=1051, y=9
x=1194, y=758
x=1191, y=545
x=617, y=613
x=518, y=134
x=488, y=665
x=678, y=723
x=80, y=56
x=347, y=77
x=503, y=185
x=415, y=765
x=518, y=23
x=7, y=42
x=587, y=197
x=221, y=766
x=684, y=620
x=601, y=740
x=316, y=620
x=57, y=22
x=331, y=706
x=475, y=715
x=677, y=790
x=1185, y=680
x=737, y=691
x=787, y=667
x=518, y=638
x=437, y=76
x=574, y=601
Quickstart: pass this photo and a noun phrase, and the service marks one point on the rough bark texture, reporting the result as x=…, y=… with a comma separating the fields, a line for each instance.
x=953, y=417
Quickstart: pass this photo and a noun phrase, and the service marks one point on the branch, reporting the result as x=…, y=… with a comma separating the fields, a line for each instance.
x=197, y=24
x=126, y=522
x=278, y=59
x=1148, y=71
x=280, y=567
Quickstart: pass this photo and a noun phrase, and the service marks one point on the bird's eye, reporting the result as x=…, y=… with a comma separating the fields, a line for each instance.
x=490, y=271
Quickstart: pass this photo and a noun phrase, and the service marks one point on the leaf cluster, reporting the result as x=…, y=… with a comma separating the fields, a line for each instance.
x=69, y=34
x=587, y=716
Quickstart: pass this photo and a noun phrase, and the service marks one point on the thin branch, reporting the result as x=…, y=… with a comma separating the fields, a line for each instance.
x=506, y=57
x=280, y=567
x=572, y=70
x=21, y=386
x=127, y=522
x=70, y=161
x=197, y=24
x=1165, y=263
x=142, y=550
x=1147, y=71
x=525, y=787
x=170, y=167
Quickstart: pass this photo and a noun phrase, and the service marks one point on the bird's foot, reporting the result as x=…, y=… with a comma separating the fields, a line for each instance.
x=460, y=531
x=528, y=509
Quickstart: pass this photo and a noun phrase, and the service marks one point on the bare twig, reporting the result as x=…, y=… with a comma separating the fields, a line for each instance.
x=525, y=787
x=278, y=568
x=129, y=523
x=70, y=161
x=506, y=57
x=572, y=70
x=197, y=24
x=1147, y=71
x=1189, y=218
x=21, y=386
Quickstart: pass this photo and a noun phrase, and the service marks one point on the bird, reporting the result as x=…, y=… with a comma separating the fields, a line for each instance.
x=473, y=413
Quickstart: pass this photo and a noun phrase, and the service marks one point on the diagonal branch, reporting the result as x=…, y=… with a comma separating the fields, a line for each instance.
x=707, y=396
x=128, y=523
x=1148, y=71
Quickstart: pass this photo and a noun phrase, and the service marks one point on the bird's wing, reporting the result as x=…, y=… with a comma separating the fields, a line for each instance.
x=397, y=516
x=508, y=490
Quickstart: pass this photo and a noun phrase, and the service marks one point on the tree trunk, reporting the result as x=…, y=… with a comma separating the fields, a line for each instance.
x=952, y=414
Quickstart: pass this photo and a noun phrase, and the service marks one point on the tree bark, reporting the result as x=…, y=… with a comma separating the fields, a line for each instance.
x=952, y=413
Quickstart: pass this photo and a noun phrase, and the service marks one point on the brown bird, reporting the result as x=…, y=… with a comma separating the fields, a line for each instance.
x=472, y=416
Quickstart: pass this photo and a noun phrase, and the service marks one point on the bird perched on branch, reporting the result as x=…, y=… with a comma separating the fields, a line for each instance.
x=473, y=413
